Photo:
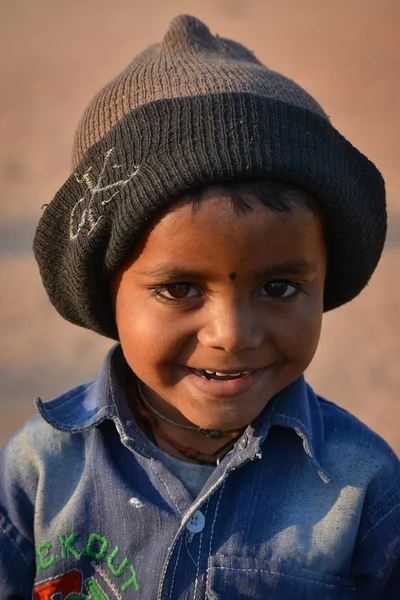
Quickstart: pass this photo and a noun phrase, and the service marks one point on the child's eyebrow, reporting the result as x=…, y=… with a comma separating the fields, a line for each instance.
x=166, y=273
x=293, y=267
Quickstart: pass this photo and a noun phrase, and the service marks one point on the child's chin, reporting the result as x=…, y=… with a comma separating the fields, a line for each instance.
x=224, y=405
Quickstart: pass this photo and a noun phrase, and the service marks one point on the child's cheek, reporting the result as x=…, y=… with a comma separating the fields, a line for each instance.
x=295, y=331
x=304, y=336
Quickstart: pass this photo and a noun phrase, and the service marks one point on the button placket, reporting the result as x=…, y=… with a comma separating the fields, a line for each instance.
x=164, y=589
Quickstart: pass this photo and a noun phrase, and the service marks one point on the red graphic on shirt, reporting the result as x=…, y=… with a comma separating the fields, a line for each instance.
x=71, y=583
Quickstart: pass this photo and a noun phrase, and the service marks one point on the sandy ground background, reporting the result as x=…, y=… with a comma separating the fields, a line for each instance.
x=56, y=54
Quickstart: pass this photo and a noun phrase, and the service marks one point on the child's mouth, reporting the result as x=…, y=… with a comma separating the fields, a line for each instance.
x=218, y=376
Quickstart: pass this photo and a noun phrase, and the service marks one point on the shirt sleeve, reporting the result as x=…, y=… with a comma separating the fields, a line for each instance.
x=18, y=484
x=17, y=562
x=376, y=563
x=392, y=588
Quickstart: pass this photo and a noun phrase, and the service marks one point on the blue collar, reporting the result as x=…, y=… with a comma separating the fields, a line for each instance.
x=88, y=405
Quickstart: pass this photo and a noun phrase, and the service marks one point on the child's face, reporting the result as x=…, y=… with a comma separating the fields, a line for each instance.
x=224, y=291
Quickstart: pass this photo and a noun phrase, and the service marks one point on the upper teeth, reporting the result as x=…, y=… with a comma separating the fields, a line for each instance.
x=226, y=374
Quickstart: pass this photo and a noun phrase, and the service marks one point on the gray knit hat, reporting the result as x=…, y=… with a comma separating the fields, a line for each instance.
x=192, y=110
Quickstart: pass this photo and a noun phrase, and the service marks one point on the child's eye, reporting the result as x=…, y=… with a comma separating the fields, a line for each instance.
x=175, y=291
x=281, y=289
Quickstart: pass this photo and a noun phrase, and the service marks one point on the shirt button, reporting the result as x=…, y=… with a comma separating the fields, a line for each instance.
x=196, y=522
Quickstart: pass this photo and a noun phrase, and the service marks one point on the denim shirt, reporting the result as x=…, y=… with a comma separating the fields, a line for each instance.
x=306, y=505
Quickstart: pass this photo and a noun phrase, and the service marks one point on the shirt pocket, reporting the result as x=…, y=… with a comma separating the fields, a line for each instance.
x=234, y=578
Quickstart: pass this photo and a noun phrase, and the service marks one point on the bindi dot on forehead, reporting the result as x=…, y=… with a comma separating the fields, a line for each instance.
x=232, y=276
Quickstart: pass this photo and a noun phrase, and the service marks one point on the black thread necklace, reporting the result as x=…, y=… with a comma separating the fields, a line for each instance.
x=210, y=433
x=201, y=457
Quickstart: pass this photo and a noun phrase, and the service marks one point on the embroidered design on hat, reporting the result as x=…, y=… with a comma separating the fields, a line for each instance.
x=94, y=191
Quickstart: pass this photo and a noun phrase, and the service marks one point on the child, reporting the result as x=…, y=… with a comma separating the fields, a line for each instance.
x=212, y=215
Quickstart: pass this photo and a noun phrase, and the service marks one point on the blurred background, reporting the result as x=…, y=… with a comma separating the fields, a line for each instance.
x=56, y=54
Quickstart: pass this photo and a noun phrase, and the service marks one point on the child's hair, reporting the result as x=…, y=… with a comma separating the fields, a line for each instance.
x=192, y=111
x=281, y=198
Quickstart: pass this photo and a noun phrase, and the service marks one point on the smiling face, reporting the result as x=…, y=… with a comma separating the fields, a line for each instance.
x=219, y=309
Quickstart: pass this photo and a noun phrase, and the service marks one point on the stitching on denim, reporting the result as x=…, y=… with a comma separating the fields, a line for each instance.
x=111, y=388
x=41, y=582
x=272, y=406
x=117, y=420
x=167, y=490
x=378, y=522
x=163, y=573
x=46, y=410
x=306, y=445
x=199, y=554
x=13, y=543
x=189, y=536
x=212, y=527
x=72, y=397
x=108, y=581
x=175, y=568
x=330, y=585
x=267, y=424
x=110, y=385
x=77, y=428
x=194, y=507
x=97, y=415
x=297, y=421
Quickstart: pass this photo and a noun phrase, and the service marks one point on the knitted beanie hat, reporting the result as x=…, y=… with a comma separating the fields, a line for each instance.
x=193, y=110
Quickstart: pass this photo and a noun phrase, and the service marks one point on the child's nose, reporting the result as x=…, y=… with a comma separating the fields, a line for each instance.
x=231, y=327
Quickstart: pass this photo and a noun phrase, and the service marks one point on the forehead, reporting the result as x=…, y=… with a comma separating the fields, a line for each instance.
x=216, y=234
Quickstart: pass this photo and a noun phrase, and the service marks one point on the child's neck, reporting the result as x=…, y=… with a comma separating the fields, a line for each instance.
x=190, y=445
